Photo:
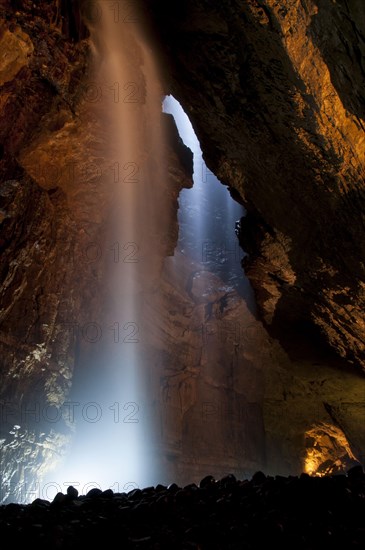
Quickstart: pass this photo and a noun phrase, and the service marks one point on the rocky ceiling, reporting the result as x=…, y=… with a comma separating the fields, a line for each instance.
x=275, y=93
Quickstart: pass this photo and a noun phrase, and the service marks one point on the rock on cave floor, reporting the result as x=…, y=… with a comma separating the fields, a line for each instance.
x=291, y=512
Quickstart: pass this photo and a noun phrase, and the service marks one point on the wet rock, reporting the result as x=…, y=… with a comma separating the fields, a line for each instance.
x=207, y=482
x=228, y=481
x=72, y=493
x=259, y=478
x=173, y=488
x=60, y=498
x=94, y=493
x=135, y=494
x=356, y=472
x=191, y=488
x=108, y=493
x=41, y=503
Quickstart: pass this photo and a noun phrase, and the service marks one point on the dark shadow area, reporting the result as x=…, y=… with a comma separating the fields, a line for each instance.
x=290, y=512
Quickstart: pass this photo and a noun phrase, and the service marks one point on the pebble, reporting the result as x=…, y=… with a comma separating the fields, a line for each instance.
x=229, y=514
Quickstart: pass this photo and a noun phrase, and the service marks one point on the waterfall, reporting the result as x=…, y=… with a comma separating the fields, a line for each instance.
x=136, y=149
x=114, y=444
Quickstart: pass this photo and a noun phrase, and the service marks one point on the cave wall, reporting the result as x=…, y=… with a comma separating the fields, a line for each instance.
x=41, y=246
x=275, y=93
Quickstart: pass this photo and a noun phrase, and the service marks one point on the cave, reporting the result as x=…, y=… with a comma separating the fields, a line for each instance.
x=182, y=282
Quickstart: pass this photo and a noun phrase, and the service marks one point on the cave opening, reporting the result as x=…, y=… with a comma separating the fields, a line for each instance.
x=208, y=216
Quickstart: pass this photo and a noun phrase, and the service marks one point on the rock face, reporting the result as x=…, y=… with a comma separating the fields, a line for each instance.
x=41, y=76
x=231, y=398
x=275, y=91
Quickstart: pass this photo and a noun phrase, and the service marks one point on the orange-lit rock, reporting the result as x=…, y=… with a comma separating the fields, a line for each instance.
x=275, y=92
x=327, y=451
x=16, y=48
